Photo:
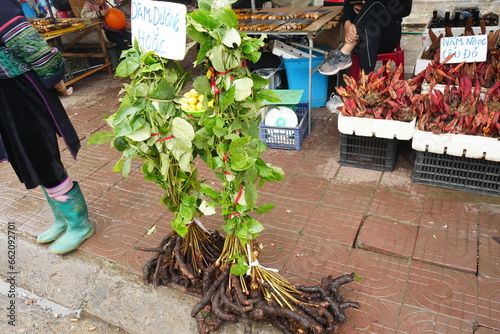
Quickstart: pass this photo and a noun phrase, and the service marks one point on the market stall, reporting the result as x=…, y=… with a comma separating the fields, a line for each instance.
x=65, y=34
x=308, y=22
x=450, y=110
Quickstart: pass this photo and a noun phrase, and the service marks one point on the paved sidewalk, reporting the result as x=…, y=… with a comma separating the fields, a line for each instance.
x=426, y=255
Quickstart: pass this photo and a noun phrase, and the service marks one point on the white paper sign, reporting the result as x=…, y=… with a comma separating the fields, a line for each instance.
x=466, y=48
x=160, y=27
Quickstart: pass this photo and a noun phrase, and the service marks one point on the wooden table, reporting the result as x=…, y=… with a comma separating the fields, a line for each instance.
x=311, y=31
x=74, y=38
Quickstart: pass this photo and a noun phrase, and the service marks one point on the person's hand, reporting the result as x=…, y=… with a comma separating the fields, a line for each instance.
x=62, y=90
x=350, y=33
x=68, y=92
x=357, y=8
x=104, y=12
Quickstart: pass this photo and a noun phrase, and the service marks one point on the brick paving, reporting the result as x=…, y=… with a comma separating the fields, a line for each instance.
x=426, y=255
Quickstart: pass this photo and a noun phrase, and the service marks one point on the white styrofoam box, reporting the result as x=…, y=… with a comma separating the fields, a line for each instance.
x=476, y=147
x=380, y=128
x=286, y=51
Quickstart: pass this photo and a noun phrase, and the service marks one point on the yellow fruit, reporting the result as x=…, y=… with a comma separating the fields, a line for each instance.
x=192, y=100
x=209, y=74
x=191, y=107
x=210, y=103
x=200, y=98
x=184, y=105
x=193, y=92
x=199, y=106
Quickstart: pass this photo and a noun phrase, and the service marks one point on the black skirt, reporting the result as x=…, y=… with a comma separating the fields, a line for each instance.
x=29, y=129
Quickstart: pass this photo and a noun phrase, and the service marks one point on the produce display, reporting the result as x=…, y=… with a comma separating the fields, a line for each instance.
x=47, y=28
x=461, y=109
x=192, y=103
x=151, y=125
x=273, y=21
x=381, y=94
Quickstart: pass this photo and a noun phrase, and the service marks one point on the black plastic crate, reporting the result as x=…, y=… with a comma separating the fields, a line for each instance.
x=459, y=173
x=368, y=152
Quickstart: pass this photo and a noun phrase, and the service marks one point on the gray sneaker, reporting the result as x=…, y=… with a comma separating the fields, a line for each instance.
x=334, y=63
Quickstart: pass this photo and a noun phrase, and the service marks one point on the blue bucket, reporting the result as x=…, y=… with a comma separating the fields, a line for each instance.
x=297, y=74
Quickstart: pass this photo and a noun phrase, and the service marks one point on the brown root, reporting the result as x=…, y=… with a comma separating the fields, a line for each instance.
x=260, y=296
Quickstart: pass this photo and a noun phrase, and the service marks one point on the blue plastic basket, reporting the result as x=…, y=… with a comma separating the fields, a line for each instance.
x=297, y=74
x=286, y=138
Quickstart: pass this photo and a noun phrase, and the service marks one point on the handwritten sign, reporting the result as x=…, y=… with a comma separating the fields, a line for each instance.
x=160, y=27
x=465, y=48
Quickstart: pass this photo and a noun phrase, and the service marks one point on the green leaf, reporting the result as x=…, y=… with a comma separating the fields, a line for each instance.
x=269, y=96
x=226, y=98
x=100, y=138
x=204, y=18
x=239, y=145
x=219, y=132
x=188, y=200
x=118, y=166
x=127, y=67
x=202, y=84
x=243, y=88
x=185, y=161
x=182, y=129
x=211, y=193
x=240, y=267
x=141, y=134
x=207, y=208
x=231, y=37
x=264, y=208
x=250, y=195
x=165, y=165
x=179, y=227
x=196, y=35
x=218, y=62
x=254, y=227
x=126, y=167
x=240, y=162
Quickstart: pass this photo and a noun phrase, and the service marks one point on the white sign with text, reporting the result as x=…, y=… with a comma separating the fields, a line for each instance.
x=466, y=48
x=160, y=27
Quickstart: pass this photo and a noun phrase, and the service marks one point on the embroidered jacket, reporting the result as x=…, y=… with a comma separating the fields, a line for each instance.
x=23, y=49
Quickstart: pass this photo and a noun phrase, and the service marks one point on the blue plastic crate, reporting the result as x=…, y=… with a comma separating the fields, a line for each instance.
x=287, y=138
x=297, y=74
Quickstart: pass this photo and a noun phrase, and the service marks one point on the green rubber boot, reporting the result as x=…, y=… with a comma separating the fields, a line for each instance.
x=74, y=212
x=58, y=226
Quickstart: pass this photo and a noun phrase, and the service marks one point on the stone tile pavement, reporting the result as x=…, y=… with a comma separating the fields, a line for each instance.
x=426, y=255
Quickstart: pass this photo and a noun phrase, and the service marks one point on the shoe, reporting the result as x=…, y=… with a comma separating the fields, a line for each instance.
x=58, y=226
x=75, y=213
x=334, y=63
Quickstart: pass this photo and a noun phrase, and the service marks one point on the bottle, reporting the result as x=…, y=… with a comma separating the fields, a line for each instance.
x=446, y=22
x=475, y=17
x=456, y=19
x=435, y=20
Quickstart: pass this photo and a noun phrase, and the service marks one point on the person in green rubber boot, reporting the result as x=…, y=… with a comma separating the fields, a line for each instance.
x=31, y=118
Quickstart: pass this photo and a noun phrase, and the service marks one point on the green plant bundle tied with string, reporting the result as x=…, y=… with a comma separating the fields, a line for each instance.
x=151, y=126
x=229, y=140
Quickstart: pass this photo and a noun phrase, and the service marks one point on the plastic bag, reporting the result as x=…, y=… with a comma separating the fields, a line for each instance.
x=334, y=103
